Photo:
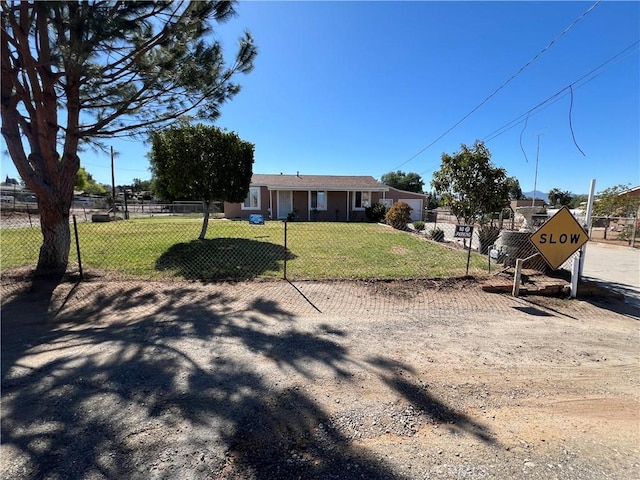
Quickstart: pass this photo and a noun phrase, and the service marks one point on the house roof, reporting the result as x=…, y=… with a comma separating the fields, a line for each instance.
x=317, y=182
x=632, y=192
x=408, y=193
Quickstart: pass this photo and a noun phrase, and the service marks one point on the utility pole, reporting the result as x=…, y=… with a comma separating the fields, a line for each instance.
x=535, y=178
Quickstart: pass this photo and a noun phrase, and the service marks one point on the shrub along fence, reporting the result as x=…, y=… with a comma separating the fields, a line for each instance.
x=165, y=247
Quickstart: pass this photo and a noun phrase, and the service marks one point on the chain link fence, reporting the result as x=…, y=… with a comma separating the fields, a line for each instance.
x=160, y=242
x=616, y=230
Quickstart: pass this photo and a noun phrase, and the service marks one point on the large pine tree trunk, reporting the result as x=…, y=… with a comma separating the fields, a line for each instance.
x=55, y=195
x=56, y=237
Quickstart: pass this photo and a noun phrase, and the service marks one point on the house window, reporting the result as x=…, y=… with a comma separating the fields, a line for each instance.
x=361, y=200
x=252, y=202
x=318, y=200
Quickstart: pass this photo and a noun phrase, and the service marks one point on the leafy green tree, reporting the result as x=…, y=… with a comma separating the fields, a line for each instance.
x=565, y=197
x=615, y=202
x=559, y=197
x=432, y=201
x=74, y=72
x=138, y=186
x=514, y=189
x=470, y=184
x=198, y=162
x=576, y=200
x=409, y=182
x=94, y=188
x=159, y=191
x=85, y=182
x=82, y=179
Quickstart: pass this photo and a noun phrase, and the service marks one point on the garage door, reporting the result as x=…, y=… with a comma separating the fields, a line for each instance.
x=416, y=204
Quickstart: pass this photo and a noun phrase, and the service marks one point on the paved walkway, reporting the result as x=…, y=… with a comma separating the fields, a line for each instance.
x=615, y=267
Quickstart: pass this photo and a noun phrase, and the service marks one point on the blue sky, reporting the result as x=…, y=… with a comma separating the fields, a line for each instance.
x=359, y=88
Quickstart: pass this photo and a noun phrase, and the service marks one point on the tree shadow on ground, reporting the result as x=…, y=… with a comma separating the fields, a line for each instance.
x=151, y=381
x=425, y=402
x=223, y=259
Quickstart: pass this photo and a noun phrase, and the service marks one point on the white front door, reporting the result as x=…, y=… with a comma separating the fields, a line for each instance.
x=285, y=203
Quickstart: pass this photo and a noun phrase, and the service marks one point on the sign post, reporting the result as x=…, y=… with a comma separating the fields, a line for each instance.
x=465, y=231
x=587, y=223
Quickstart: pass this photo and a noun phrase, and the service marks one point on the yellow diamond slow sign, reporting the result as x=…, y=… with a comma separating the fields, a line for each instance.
x=559, y=238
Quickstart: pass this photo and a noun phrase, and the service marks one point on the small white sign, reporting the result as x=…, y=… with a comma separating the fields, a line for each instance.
x=463, y=231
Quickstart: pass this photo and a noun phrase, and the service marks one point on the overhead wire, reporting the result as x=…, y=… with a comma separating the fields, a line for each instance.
x=573, y=135
x=592, y=74
x=108, y=166
x=504, y=84
x=521, y=133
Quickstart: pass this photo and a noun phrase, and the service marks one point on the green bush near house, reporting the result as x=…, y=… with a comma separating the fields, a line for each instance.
x=376, y=212
x=291, y=216
x=399, y=215
x=436, y=234
x=487, y=236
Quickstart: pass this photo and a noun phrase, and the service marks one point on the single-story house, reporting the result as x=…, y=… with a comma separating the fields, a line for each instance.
x=633, y=195
x=318, y=198
x=417, y=201
x=632, y=192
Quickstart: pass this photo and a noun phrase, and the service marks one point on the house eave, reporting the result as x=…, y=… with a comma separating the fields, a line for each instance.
x=322, y=188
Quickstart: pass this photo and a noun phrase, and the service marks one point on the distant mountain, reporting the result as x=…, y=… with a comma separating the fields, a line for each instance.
x=538, y=193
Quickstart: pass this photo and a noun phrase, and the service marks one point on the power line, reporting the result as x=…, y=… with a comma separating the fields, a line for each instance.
x=547, y=47
x=106, y=166
x=592, y=74
x=553, y=98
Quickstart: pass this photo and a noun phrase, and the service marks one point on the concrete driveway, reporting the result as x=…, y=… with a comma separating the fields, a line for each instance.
x=616, y=267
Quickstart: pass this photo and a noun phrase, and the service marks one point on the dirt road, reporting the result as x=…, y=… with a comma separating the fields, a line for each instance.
x=407, y=380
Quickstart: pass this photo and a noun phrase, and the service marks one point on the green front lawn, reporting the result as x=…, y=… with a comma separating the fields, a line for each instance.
x=365, y=250
x=168, y=247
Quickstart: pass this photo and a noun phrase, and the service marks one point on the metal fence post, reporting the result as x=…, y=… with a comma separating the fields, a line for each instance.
x=468, y=255
x=29, y=215
x=285, y=249
x=75, y=229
